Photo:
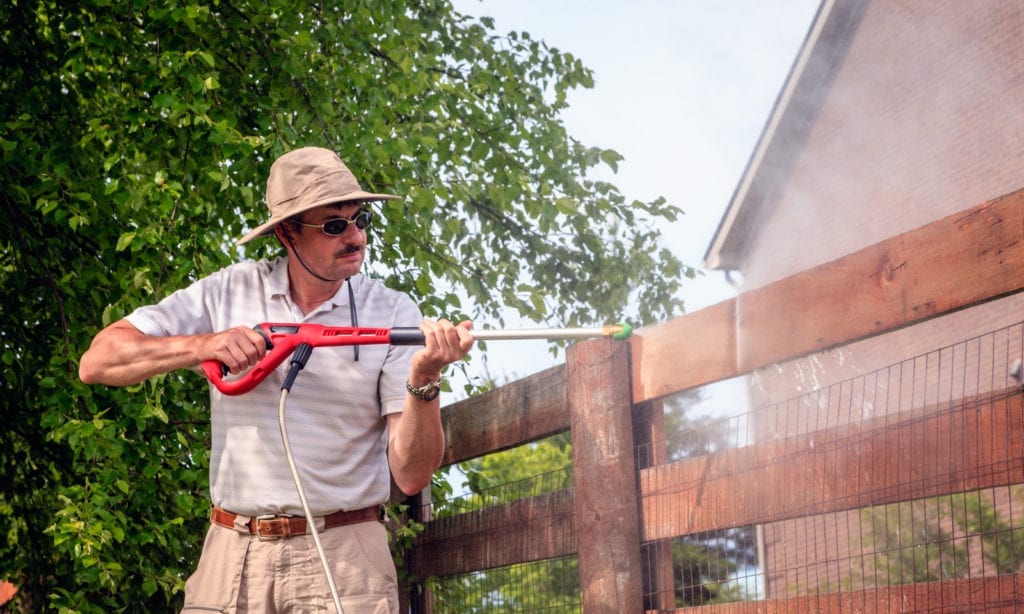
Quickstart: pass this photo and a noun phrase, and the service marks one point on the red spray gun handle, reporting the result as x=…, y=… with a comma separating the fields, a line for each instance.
x=282, y=339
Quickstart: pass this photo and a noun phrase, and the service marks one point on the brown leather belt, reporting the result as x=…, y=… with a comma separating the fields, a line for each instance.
x=278, y=527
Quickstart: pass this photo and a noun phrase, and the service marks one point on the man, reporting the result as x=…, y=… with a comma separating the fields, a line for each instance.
x=353, y=414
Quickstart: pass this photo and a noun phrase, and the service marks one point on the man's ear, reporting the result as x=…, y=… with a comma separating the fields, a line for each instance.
x=283, y=234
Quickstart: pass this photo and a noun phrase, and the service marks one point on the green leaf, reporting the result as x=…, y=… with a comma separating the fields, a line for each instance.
x=125, y=240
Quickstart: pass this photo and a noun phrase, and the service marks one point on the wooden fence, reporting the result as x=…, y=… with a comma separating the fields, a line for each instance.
x=608, y=396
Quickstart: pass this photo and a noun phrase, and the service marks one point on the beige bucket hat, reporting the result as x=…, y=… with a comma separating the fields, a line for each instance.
x=304, y=179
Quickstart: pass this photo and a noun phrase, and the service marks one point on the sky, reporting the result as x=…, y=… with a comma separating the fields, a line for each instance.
x=682, y=91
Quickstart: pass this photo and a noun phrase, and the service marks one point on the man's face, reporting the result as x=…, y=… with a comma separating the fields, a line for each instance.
x=333, y=257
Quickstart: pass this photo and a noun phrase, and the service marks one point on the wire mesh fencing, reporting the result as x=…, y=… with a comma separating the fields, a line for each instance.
x=495, y=509
x=908, y=475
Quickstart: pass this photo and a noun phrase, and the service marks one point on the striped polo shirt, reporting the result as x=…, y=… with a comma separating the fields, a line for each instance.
x=334, y=412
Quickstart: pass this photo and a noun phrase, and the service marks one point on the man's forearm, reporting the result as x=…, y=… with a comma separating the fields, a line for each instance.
x=417, y=444
x=121, y=355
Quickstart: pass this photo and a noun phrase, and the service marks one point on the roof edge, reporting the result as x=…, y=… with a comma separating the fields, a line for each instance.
x=809, y=78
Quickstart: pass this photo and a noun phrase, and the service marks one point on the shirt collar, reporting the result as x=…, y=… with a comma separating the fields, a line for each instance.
x=277, y=285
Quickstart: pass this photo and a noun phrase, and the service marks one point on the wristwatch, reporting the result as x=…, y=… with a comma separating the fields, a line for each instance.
x=427, y=392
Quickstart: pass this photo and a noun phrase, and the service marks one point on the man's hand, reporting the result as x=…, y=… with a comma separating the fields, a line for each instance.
x=237, y=348
x=445, y=343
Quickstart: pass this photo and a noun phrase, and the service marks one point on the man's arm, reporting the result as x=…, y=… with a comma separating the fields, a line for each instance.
x=122, y=355
x=416, y=439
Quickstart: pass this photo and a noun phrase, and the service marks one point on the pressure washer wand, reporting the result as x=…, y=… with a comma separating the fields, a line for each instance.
x=616, y=331
x=282, y=339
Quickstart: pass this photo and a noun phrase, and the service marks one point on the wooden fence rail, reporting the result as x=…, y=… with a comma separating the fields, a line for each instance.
x=607, y=395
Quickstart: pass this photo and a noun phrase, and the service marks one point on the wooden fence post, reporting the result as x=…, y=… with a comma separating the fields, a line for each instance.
x=604, y=477
x=415, y=597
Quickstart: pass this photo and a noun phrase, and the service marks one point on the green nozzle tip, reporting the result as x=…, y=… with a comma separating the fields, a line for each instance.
x=626, y=331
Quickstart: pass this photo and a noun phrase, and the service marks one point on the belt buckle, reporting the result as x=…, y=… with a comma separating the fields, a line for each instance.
x=259, y=531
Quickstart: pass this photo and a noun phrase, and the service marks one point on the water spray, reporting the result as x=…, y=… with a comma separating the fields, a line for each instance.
x=298, y=341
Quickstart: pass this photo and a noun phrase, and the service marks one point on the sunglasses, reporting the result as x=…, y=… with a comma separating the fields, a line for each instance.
x=336, y=226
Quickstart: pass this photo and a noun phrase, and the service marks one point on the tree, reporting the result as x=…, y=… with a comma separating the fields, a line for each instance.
x=960, y=535
x=134, y=146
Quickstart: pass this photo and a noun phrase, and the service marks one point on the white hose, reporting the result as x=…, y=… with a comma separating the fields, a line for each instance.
x=310, y=522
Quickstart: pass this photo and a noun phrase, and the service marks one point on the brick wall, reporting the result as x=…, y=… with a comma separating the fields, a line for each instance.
x=925, y=118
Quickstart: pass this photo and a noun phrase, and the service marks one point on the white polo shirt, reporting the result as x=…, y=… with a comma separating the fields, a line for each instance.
x=334, y=412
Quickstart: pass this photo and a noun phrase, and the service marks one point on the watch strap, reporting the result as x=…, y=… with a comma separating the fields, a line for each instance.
x=427, y=392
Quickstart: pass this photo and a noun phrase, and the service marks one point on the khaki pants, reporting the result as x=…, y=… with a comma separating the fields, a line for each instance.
x=239, y=573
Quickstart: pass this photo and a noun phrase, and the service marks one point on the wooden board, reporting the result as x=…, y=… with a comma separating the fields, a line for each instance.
x=529, y=529
x=967, y=596
x=520, y=412
x=684, y=352
x=958, y=261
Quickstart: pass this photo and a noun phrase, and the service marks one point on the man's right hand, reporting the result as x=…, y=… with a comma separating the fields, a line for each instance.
x=237, y=348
